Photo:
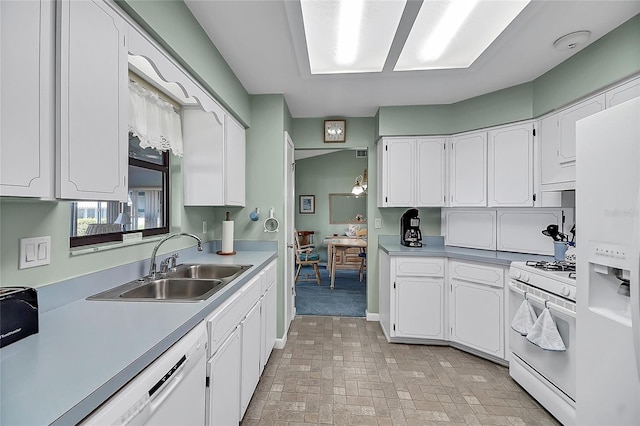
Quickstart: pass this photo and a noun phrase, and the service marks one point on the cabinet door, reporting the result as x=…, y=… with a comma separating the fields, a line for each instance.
x=234, y=163
x=468, y=170
x=477, y=317
x=269, y=323
x=93, y=102
x=223, y=393
x=430, y=172
x=203, y=162
x=623, y=93
x=419, y=308
x=511, y=166
x=250, y=371
x=27, y=98
x=398, y=173
x=469, y=228
x=558, y=143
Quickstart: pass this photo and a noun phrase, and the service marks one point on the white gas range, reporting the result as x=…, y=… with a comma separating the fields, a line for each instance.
x=548, y=375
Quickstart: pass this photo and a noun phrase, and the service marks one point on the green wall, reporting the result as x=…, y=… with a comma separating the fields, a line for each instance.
x=609, y=59
x=21, y=218
x=172, y=25
x=264, y=181
x=606, y=61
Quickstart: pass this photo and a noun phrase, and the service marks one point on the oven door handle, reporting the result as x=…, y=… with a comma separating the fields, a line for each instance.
x=552, y=306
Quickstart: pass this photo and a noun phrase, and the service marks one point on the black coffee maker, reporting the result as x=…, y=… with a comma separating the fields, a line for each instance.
x=410, y=234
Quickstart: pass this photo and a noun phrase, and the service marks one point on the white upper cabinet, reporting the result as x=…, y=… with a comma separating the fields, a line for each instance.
x=558, y=144
x=27, y=89
x=468, y=170
x=511, y=166
x=203, y=160
x=395, y=173
x=234, y=174
x=623, y=92
x=214, y=158
x=92, y=134
x=430, y=172
x=411, y=172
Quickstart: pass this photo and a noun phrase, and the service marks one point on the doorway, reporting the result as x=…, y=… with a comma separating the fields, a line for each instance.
x=325, y=208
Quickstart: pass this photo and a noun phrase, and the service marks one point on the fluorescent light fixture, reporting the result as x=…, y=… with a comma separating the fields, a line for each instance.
x=452, y=20
x=454, y=33
x=349, y=25
x=349, y=36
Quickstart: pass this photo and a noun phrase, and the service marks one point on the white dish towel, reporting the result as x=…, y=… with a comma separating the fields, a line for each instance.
x=524, y=318
x=544, y=333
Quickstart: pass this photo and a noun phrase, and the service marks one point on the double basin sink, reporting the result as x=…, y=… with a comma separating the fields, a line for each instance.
x=187, y=283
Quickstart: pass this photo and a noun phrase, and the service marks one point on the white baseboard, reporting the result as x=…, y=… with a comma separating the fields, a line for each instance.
x=280, y=343
x=372, y=317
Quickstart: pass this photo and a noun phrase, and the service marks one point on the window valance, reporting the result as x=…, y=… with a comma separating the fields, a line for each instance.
x=153, y=120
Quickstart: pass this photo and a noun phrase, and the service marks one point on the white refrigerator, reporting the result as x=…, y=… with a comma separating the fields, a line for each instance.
x=608, y=264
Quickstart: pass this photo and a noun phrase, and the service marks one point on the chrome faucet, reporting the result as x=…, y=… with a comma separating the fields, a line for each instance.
x=152, y=267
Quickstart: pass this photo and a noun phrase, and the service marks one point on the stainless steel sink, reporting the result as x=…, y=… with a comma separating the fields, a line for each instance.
x=175, y=289
x=208, y=271
x=188, y=283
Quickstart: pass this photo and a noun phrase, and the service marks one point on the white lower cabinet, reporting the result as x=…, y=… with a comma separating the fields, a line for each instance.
x=269, y=313
x=419, y=307
x=464, y=307
x=242, y=332
x=476, y=317
x=251, y=330
x=416, y=303
x=223, y=391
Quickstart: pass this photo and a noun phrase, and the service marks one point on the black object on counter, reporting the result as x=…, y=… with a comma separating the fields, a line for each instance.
x=19, y=314
x=410, y=234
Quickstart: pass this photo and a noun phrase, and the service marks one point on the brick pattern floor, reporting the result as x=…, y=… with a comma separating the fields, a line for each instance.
x=342, y=371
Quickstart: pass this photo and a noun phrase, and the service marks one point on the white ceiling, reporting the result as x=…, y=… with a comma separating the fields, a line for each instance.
x=263, y=43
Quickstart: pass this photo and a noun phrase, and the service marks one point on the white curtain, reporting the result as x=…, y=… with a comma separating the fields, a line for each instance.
x=154, y=121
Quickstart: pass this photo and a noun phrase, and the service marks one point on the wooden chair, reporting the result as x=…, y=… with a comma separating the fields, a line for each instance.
x=304, y=257
x=363, y=261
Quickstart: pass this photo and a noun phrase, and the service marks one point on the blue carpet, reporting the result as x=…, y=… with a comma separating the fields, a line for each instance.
x=347, y=299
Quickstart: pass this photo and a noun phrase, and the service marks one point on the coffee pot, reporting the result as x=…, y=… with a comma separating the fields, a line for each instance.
x=410, y=234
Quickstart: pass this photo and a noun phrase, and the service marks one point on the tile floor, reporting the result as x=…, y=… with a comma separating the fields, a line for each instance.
x=342, y=371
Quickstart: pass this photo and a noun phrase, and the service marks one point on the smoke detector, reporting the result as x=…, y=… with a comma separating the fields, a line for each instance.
x=572, y=41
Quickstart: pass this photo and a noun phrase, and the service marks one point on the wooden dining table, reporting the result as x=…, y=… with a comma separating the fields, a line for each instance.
x=341, y=243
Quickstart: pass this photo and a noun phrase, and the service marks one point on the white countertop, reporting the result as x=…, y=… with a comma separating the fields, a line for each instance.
x=87, y=350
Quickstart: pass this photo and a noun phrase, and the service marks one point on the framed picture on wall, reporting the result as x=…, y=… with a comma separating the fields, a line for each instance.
x=307, y=204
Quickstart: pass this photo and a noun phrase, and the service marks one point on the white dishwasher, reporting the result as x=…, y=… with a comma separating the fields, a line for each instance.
x=170, y=391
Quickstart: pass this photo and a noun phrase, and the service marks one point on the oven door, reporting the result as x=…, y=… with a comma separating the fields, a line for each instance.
x=559, y=368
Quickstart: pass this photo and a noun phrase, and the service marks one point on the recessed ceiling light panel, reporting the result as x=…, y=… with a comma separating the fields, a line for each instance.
x=454, y=33
x=349, y=36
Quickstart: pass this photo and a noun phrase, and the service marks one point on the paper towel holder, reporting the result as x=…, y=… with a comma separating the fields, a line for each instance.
x=271, y=224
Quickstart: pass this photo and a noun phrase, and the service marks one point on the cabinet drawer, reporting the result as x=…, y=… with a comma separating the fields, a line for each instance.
x=225, y=319
x=419, y=267
x=482, y=274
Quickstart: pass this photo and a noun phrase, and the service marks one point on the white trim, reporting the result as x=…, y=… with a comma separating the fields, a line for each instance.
x=371, y=316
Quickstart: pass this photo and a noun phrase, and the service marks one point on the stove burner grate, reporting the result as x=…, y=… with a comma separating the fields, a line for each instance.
x=552, y=266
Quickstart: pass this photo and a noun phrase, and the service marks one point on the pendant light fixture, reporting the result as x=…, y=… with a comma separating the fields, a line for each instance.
x=361, y=184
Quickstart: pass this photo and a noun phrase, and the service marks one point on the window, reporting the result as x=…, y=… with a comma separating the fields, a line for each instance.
x=146, y=209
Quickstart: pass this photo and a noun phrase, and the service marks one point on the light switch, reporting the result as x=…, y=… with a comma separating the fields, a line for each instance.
x=378, y=223
x=30, y=253
x=42, y=251
x=34, y=252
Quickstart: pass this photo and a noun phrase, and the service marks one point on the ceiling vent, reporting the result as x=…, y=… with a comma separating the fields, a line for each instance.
x=361, y=153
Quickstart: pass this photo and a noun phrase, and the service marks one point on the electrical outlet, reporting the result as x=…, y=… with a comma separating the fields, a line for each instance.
x=378, y=223
x=204, y=226
x=34, y=252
